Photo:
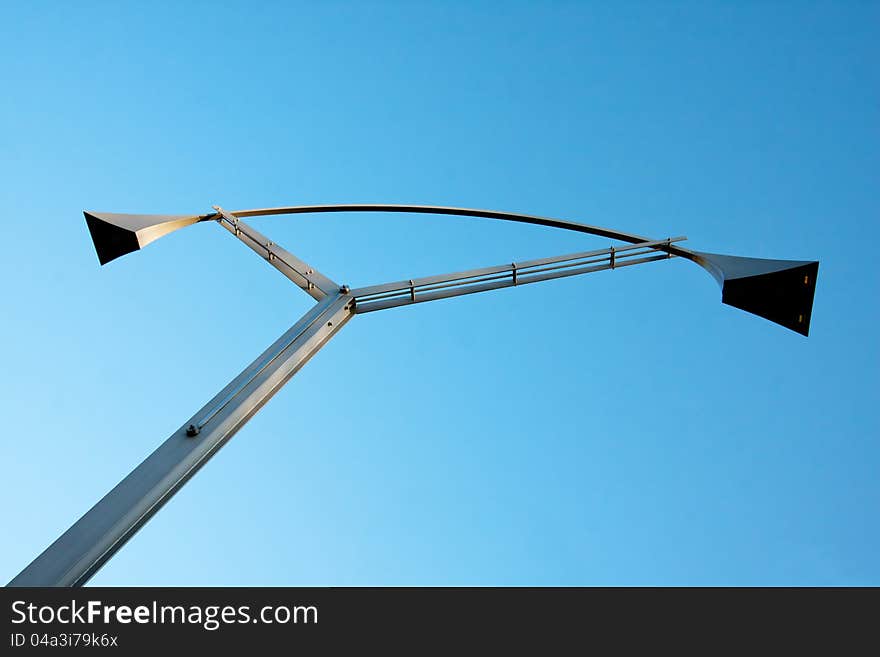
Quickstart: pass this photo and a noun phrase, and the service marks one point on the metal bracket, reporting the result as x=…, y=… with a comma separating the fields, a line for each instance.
x=390, y=295
x=312, y=282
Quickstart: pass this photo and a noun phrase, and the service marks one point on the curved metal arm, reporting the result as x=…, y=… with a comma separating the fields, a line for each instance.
x=463, y=212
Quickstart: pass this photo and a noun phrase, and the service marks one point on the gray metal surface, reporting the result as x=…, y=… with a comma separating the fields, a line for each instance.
x=419, y=290
x=95, y=537
x=311, y=281
x=461, y=212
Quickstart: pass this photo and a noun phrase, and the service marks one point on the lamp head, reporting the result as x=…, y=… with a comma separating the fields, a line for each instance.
x=114, y=235
x=779, y=290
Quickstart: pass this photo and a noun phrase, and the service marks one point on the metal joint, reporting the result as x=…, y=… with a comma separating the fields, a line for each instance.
x=314, y=283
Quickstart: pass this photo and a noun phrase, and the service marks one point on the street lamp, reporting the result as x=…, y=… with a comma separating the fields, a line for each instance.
x=779, y=290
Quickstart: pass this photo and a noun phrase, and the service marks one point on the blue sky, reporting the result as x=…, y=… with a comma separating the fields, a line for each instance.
x=623, y=428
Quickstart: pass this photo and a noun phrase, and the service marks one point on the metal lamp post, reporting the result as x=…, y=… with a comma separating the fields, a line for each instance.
x=779, y=290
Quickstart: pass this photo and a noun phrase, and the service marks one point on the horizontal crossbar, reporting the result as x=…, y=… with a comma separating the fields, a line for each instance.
x=401, y=293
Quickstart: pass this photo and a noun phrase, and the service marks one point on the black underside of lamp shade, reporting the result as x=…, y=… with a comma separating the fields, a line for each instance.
x=110, y=241
x=784, y=297
x=779, y=290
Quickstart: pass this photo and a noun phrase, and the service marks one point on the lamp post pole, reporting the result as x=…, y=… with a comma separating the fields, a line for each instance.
x=779, y=290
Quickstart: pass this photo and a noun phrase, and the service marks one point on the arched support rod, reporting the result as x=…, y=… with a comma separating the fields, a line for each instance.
x=464, y=212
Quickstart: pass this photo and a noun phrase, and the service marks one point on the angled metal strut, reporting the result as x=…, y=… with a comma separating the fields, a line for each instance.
x=779, y=290
x=313, y=282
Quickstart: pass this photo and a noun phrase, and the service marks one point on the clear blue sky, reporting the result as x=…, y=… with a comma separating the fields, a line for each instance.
x=621, y=428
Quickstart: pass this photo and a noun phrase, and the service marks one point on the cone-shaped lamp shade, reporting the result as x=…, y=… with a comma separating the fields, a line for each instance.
x=779, y=290
x=115, y=235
